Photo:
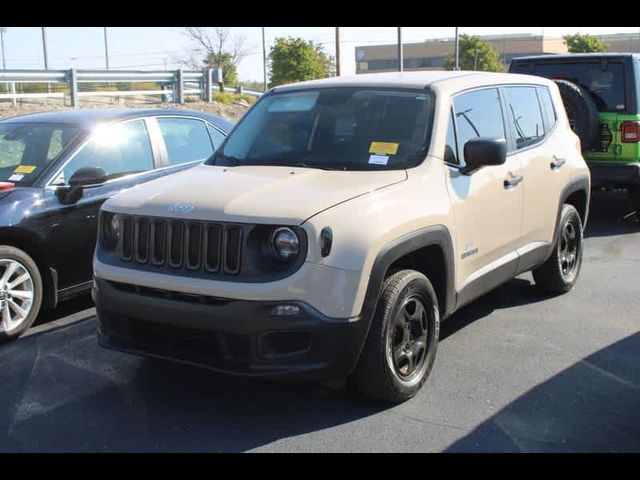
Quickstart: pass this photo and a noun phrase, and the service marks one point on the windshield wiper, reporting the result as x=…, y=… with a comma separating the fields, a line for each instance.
x=229, y=158
x=321, y=166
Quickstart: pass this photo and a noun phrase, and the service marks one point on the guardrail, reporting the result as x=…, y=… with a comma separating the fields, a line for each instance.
x=174, y=85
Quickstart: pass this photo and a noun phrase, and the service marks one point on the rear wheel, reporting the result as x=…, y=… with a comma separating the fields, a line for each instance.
x=20, y=292
x=401, y=345
x=560, y=272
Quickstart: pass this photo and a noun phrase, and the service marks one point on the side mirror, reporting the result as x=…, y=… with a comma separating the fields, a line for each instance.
x=83, y=178
x=482, y=152
x=88, y=177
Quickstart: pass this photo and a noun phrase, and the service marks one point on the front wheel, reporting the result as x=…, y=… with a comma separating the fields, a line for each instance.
x=20, y=292
x=401, y=345
x=560, y=272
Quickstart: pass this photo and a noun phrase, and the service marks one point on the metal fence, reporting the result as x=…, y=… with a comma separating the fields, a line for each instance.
x=73, y=84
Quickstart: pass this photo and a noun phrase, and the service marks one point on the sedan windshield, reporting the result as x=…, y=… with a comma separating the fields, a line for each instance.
x=341, y=128
x=25, y=149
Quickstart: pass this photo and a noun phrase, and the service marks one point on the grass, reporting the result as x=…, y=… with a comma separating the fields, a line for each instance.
x=228, y=98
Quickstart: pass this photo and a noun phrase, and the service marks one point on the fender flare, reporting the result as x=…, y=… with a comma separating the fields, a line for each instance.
x=434, y=235
x=581, y=183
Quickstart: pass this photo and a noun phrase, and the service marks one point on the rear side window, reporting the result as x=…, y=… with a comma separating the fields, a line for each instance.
x=478, y=114
x=525, y=116
x=547, y=108
x=186, y=140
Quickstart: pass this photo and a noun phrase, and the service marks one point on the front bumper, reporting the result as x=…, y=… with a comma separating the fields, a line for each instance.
x=232, y=336
x=614, y=174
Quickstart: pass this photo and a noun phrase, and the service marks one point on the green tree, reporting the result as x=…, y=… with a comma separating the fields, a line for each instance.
x=475, y=54
x=295, y=60
x=580, y=43
x=224, y=61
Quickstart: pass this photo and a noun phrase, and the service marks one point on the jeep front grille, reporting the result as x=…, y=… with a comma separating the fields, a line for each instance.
x=178, y=244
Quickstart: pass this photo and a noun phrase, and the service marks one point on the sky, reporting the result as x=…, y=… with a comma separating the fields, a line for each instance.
x=162, y=48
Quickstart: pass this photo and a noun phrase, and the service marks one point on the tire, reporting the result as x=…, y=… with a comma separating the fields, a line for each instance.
x=559, y=273
x=377, y=374
x=582, y=112
x=14, y=266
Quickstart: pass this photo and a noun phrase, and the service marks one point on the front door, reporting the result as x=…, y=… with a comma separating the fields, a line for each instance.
x=125, y=153
x=487, y=203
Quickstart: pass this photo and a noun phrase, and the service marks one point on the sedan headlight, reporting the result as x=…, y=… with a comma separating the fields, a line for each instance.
x=110, y=230
x=285, y=243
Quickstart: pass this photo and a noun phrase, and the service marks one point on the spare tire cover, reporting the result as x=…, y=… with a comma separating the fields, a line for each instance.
x=582, y=112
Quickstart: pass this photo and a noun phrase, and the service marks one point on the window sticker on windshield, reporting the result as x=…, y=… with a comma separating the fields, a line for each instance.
x=378, y=159
x=384, y=148
x=25, y=169
x=16, y=177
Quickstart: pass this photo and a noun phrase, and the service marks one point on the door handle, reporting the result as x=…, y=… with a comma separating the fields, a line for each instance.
x=513, y=182
x=557, y=163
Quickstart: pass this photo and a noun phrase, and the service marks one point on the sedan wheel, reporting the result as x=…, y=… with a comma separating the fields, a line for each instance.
x=16, y=294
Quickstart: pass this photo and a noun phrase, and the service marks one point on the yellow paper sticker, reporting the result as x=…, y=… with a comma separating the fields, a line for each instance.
x=384, y=148
x=25, y=169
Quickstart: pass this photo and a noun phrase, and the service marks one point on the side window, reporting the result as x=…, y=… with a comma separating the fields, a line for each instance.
x=525, y=116
x=119, y=149
x=217, y=137
x=549, y=112
x=478, y=114
x=186, y=139
x=451, y=149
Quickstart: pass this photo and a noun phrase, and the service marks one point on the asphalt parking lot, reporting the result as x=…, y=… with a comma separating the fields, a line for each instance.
x=516, y=371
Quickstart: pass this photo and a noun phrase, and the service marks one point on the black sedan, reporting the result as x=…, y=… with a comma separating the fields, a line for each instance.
x=56, y=170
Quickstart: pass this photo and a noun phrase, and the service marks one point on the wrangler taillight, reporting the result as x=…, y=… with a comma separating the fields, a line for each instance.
x=630, y=132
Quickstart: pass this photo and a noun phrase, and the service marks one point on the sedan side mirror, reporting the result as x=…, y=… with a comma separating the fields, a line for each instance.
x=482, y=152
x=83, y=178
x=88, y=177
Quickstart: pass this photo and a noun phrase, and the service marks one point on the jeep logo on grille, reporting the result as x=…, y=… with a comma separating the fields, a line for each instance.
x=179, y=208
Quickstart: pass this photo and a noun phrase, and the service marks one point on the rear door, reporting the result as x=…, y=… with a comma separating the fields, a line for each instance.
x=186, y=141
x=532, y=120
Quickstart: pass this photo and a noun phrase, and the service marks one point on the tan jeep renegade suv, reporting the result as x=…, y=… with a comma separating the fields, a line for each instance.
x=340, y=222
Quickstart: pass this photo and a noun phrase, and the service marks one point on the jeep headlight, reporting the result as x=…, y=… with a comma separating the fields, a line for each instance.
x=285, y=243
x=110, y=229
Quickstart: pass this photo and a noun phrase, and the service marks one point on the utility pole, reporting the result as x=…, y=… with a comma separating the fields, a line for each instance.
x=400, y=59
x=44, y=48
x=4, y=59
x=337, y=51
x=264, y=60
x=456, y=65
x=106, y=48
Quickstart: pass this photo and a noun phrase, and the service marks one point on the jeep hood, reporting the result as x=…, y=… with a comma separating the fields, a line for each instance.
x=247, y=194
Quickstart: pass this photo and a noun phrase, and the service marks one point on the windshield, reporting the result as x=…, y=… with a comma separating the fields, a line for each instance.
x=341, y=128
x=25, y=149
x=605, y=82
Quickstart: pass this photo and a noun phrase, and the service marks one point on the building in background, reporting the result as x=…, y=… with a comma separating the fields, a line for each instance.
x=431, y=54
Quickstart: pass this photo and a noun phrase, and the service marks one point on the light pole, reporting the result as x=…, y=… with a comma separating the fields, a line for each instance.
x=337, y=51
x=264, y=61
x=400, y=59
x=4, y=60
x=44, y=48
x=106, y=49
x=456, y=65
